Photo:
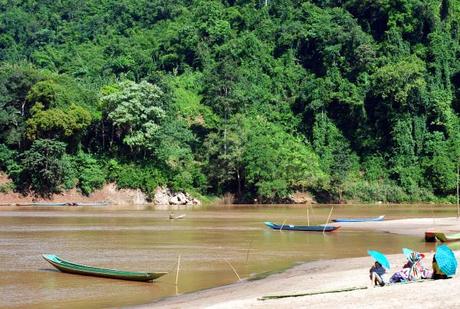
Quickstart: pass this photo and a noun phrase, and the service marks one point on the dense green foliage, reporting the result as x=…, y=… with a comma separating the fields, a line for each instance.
x=349, y=99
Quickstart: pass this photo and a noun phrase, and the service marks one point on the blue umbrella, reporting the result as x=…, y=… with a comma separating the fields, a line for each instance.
x=446, y=260
x=379, y=257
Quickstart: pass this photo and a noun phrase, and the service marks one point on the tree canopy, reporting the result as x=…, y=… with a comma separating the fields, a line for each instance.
x=349, y=99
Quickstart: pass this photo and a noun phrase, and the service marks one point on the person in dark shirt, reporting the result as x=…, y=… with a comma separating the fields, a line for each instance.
x=377, y=274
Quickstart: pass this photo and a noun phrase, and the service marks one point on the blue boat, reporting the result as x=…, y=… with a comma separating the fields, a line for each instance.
x=381, y=218
x=308, y=228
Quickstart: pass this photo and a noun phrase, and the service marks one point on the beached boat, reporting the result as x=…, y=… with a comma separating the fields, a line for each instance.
x=310, y=228
x=91, y=204
x=430, y=237
x=447, y=237
x=74, y=268
x=48, y=204
x=381, y=218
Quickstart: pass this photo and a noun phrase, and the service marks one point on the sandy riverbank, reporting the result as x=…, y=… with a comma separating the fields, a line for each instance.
x=327, y=275
x=414, y=227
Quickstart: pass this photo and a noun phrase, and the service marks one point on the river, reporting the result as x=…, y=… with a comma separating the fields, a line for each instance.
x=209, y=240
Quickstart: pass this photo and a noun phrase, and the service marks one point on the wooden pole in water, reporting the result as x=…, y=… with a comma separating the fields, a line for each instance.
x=283, y=224
x=233, y=268
x=249, y=249
x=327, y=221
x=177, y=274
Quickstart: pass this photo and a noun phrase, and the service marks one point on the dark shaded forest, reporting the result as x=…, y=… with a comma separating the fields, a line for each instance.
x=346, y=99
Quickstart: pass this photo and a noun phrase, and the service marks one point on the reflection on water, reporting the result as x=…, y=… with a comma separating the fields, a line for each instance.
x=145, y=240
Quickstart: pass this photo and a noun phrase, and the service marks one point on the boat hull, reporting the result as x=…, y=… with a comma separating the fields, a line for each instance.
x=176, y=217
x=48, y=204
x=305, y=228
x=381, y=218
x=79, y=269
x=430, y=237
x=446, y=237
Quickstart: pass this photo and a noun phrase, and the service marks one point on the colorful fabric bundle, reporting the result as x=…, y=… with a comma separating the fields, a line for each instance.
x=413, y=270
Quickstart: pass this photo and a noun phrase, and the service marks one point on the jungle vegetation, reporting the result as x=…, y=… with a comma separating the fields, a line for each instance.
x=347, y=99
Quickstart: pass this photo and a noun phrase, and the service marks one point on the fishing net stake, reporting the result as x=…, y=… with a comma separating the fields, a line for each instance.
x=327, y=221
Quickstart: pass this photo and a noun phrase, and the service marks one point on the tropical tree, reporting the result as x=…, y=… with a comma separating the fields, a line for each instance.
x=43, y=168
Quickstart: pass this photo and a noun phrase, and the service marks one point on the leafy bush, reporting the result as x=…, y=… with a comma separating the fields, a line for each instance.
x=7, y=187
x=90, y=173
x=43, y=167
x=133, y=176
x=8, y=162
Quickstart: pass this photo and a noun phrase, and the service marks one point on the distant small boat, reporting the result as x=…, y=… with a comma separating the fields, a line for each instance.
x=310, y=228
x=48, y=204
x=74, y=268
x=92, y=204
x=70, y=204
x=173, y=217
x=381, y=218
x=447, y=237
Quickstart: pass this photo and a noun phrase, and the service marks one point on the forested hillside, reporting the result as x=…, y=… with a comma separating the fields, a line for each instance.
x=346, y=99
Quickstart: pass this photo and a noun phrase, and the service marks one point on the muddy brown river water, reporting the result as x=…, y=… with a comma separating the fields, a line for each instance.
x=145, y=240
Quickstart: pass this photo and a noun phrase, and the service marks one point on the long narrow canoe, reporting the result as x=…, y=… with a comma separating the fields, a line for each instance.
x=92, y=204
x=310, y=228
x=48, y=204
x=381, y=218
x=447, y=237
x=74, y=268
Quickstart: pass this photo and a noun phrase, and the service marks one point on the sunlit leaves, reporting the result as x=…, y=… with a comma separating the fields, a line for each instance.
x=57, y=122
x=137, y=110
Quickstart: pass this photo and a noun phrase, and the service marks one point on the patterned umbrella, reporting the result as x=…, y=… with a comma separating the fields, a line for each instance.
x=446, y=260
x=416, y=269
x=413, y=256
x=379, y=257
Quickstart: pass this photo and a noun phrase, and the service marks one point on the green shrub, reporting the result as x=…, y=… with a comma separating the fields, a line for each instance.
x=70, y=180
x=8, y=162
x=7, y=187
x=43, y=167
x=133, y=176
x=91, y=175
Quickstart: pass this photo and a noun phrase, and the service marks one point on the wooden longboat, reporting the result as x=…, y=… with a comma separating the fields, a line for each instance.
x=307, y=228
x=74, y=268
x=48, y=204
x=381, y=218
x=447, y=237
x=91, y=204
